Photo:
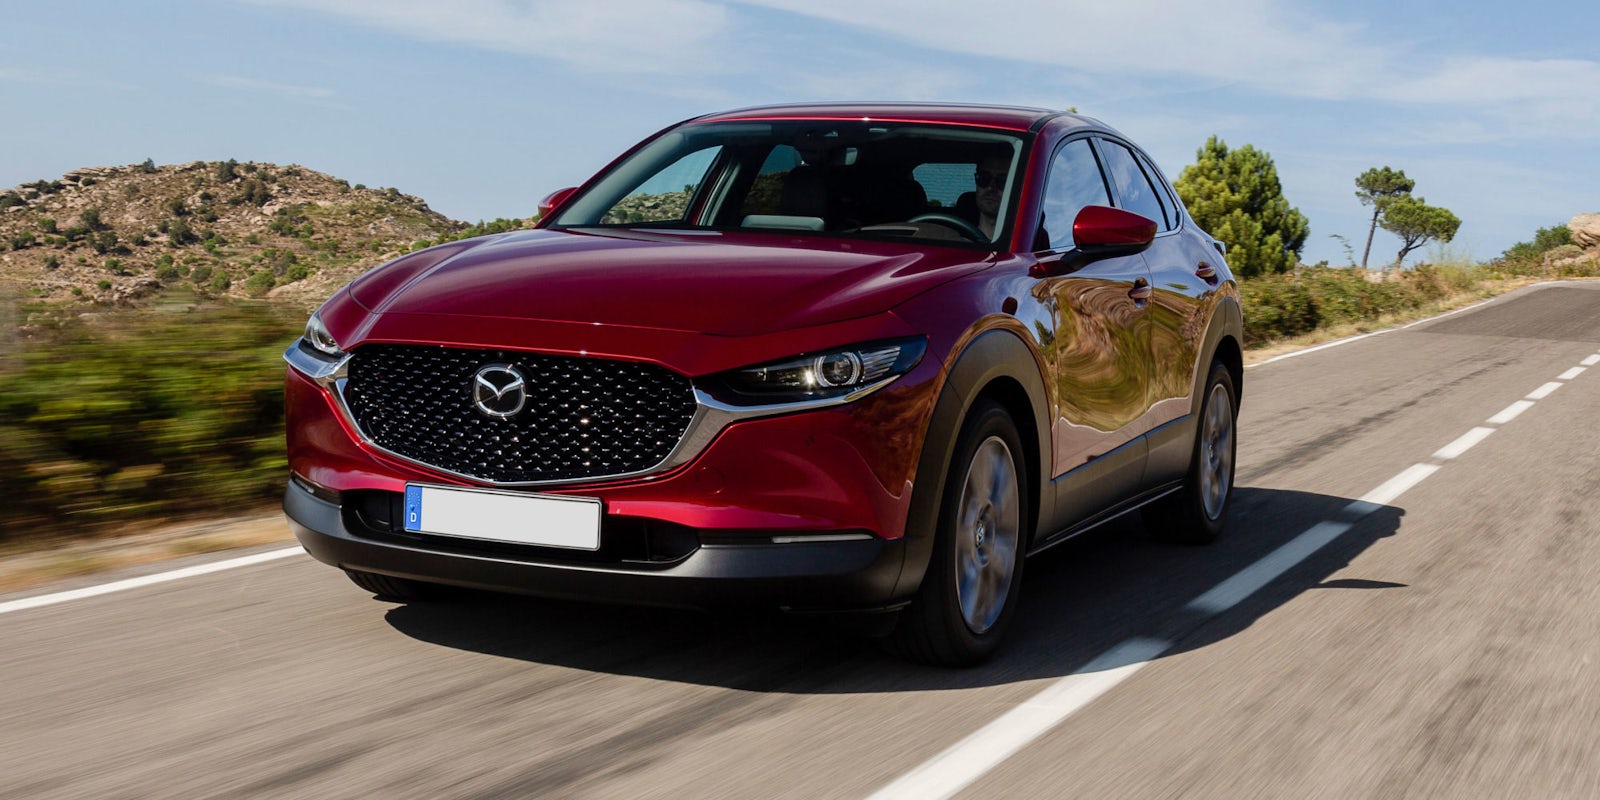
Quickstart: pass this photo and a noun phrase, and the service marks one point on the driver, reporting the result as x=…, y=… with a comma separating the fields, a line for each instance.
x=993, y=168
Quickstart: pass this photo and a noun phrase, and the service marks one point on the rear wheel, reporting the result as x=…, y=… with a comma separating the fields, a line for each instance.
x=969, y=594
x=1197, y=513
x=388, y=587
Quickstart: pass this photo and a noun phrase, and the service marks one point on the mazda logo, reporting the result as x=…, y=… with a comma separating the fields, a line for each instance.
x=499, y=391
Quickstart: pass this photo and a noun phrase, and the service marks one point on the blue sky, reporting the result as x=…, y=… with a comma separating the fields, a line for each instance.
x=481, y=107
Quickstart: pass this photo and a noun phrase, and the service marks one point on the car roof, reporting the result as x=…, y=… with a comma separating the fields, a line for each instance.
x=1013, y=118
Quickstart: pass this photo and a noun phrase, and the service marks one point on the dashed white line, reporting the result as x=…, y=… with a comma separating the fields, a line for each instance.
x=1248, y=581
x=958, y=766
x=1511, y=412
x=1463, y=444
x=1390, y=490
x=146, y=580
x=1545, y=391
x=965, y=761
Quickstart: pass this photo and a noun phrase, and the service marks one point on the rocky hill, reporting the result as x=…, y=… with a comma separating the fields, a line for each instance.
x=116, y=235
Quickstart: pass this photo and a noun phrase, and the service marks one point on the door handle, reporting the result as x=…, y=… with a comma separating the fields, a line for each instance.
x=1206, y=272
x=1141, y=291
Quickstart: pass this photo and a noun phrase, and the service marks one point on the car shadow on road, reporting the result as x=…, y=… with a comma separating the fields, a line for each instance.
x=1079, y=600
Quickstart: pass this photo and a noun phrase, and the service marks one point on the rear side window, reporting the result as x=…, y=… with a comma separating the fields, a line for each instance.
x=1074, y=182
x=1133, y=187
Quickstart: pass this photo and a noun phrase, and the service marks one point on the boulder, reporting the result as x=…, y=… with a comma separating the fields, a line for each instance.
x=1585, y=230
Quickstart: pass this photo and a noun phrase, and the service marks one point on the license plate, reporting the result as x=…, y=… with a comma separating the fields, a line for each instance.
x=494, y=516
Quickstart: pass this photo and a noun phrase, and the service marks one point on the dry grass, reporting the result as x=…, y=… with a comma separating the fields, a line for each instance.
x=36, y=563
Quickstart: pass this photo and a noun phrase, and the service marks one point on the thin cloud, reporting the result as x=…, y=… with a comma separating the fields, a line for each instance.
x=1268, y=46
x=287, y=90
x=606, y=36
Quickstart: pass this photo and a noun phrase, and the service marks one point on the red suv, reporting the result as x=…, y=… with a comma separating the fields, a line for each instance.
x=838, y=357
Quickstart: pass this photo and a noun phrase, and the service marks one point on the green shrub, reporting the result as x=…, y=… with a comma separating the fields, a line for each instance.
x=148, y=167
x=103, y=284
x=119, y=421
x=89, y=218
x=220, y=283
x=260, y=283
x=47, y=224
x=200, y=274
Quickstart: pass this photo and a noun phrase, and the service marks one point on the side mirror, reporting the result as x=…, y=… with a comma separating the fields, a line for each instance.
x=1100, y=232
x=554, y=200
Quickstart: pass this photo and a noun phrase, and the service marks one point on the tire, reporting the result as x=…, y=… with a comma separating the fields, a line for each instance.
x=969, y=595
x=388, y=587
x=1198, y=512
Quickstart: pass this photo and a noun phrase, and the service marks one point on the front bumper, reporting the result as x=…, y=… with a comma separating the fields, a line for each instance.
x=858, y=574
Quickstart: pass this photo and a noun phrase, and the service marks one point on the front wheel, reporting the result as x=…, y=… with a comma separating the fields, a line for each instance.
x=1197, y=513
x=969, y=593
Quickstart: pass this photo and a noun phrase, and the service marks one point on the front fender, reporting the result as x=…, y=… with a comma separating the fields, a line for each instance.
x=996, y=364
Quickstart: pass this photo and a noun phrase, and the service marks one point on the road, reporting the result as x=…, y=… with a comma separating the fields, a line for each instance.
x=1442, y=641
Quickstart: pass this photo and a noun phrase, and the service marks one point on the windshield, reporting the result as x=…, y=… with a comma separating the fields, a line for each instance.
x=836, y=178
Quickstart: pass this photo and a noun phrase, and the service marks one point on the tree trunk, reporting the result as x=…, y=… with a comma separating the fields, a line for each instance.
x=1370, y=231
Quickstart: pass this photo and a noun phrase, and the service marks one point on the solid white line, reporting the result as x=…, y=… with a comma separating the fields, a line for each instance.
x=146, y=580
x=1391, y=489
x=1591, y=360
x=1545, y=391
x=1359, y=337
x=1463, y=444
x=1325, y=346
x=969, y=759
x=1570, y=374
x=1234, y=590
x=1511, y=412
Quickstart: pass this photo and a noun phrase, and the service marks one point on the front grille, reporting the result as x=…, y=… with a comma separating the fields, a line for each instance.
x=585, y=418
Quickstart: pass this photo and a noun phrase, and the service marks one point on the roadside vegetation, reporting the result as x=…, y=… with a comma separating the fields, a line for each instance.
x=119, y=413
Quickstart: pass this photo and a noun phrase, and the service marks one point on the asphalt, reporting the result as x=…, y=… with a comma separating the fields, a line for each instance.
x=1446, y=645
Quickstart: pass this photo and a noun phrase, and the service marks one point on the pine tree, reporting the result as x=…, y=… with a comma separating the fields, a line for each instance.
x=1236, y=197
x=1416, y=222
x=1377, y=187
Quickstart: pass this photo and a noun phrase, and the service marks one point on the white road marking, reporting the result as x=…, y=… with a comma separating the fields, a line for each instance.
x=1390, y=490
x=959, y=765
x=146, y=580
x=1463, y=444
x=1248, y=581
x=1571, y=373
x=1545, y=391
x=1511, y=412
x=965, y=761
x=1359, y=337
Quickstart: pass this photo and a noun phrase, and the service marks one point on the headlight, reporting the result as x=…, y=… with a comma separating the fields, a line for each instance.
x=318, y=337
x=814, y=376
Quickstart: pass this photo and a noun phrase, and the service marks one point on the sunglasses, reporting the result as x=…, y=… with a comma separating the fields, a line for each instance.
x=986, y=179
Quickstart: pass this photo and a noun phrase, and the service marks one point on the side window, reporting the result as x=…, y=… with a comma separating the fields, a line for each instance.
x=1168, y=197
x=766, y=194
x=1133, y=187
x=665, y=196
x=1074, y=182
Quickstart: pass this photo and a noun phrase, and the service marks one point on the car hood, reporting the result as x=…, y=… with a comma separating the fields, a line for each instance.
x=700, y=282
